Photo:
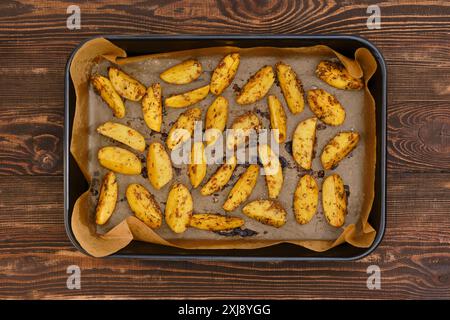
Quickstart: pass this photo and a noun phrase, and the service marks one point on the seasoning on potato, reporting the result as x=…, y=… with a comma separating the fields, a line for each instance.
x=338, y=148
x=257, y=86
x=277, y=118
x=187, y=99
x=108, y=198
x=216, y=119
x=242, y=189
x=272, y=170
x=125, y=85
x=306, y=197
x=220, y=178
x=123, y=134
x=144, y=205
x=183, y=128
x=292, y=88
x=179, y=208
x=303, y=143
x=242, y=127
x=182, y=73
x=215, y=222
x=197, y=164
x=326, y=107
x=119, y=160
x=106, y=90
x=224, y=73
x=152, y=107
x=337, y=76
x=334, y=200
x=269, y=212
x=159, y=166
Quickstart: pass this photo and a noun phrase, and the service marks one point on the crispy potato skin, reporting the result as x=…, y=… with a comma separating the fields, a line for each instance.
x=220, y=178
x=337, y=76
x=216, y=118
x=125, y=85
x=152, y=107
x=182, y=73
x=242, y=127
x=326, y=107
x=273, y=170
x=104, y=87
x=123, y=134
x=306, y=197
x=277, y=117
x=242, y=189
x=183, y=128
x=187, y=99
x=119, y=160
x=159, y=166
x=107, y=200
x=224, y=73
x=338, y=148
x=292, y=88
x=215, y=222
x=257, y=86
x=197, y=165
x=268, y=212
x=179, y=208
x=303, y=143
x=334, y=200
x=144, y=205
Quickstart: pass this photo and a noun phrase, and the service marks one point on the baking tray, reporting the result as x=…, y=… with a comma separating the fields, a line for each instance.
x=75, y=184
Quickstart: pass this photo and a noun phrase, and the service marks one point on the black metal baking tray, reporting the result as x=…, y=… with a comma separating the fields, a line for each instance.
x=75, y=184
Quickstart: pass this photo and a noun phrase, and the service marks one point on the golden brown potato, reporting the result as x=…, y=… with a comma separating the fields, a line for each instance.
x=303, y=143
x=292, y=88
x=125, y=85
x=123, y=134
x=242, y=127
x=268, y=212
x=179, y=208
x=220, y=178
x=197, y=165
x=108, y=198
x=272, y=170
x=338, y=148
x=144, y=205
x=188, y=98
x=119, y=160
x=152, y=107
x=257, y=86
x=159, y=166
x=216, y=119
x=224, y=73
x=182, y=73
x=214, y=222
x=106, y=90
x=326, y=107
x=277, y=118
x=334, y=200
x=242, y=189
x=306, y=197
x=337, y=76
x=183, y=128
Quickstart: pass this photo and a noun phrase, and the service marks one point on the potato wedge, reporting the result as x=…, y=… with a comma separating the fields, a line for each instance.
x=334, y=200
x=179, y=208
x=183, y=128
x=197, y=165
x=337, y=76
x=257, y=86
x=144, y=205
x=242, y=189
x=268, y=212
x=125, y=85
x=188, y=98
x=220, y=178
x=303, y=143
x=306, y=197
x=277, y=118
x=216, y=119
x=292, y=88
x=123, y=134
x=152, y=107
x=272, y=170
x=119, y=160
x=215, y=222
x=182, y=73
x=106, y=90
x=107, y=200
x=159, y=166
x=224, y=73
x=338, y=148
x=241, y=128
x=326, y=107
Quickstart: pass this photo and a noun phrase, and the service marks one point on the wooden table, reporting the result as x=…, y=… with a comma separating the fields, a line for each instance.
x=35, y=252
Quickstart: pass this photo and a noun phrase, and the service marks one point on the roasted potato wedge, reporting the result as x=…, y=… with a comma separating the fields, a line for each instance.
x=241, y=129
x=334, y=200
x=188, y=98
x=152, y=107
x=108, y=198
x=197, y=165
x=268, y=212
x=224, y=73
x=220, y=178
x=306, y=197
x=183, y=128
x=215, y=222
x=277, y=118
x=216, y=119
x=123, y=134
x=326, y=107
x=272, y=170
x=292, y=88
x=337, y=76
x=159, y=166
x=182, y=73
x=303, y=143
x=257, y=86
x=125, y=85
x=119, y=160
x=338, y=148
x=106, y=90
x=242, y=189
x=179, y=208
x=144, y=205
